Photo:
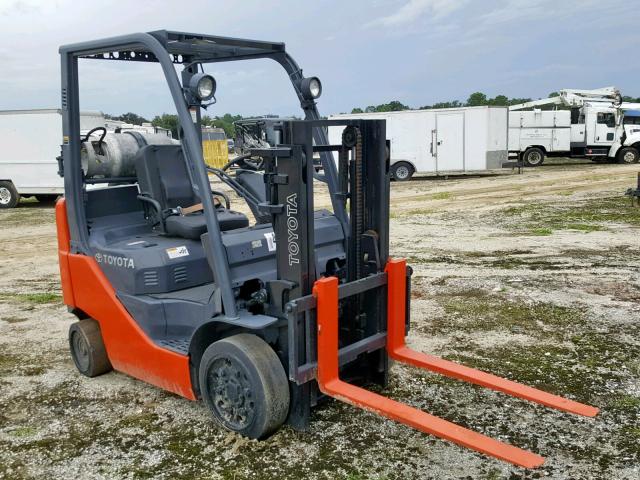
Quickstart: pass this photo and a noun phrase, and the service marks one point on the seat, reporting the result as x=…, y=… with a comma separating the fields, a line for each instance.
x=194, y=225
x=253, y=182
x=164, y=180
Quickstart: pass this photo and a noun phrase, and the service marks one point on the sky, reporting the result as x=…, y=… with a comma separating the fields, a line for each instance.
x=365, y=52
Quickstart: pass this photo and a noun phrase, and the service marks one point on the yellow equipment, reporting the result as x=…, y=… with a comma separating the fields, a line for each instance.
x=214, y=147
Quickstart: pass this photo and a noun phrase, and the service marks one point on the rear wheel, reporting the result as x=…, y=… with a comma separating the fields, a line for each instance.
x=9, y=196
x=628, y=155
x=533, y=157
x=244, y=385
x=402, y=171
x=87, y=348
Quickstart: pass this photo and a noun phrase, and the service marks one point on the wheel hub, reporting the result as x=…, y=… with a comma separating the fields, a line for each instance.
x=81, y=351
x=629, y=157
x=231, y=391
x=5, y=196
x=402, y=172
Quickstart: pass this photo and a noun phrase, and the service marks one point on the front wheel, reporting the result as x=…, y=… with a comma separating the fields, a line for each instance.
x=9, y=196
x=244, y=385
x=628, y=155
x=533, y=157
x=402, y=171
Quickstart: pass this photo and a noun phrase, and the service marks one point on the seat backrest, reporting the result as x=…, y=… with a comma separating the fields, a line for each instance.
x=162, y=175
x=254, y=183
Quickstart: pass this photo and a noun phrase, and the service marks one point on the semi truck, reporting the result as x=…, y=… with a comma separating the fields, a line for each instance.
x=441, y=141
x=593, y=124
x=31, y=142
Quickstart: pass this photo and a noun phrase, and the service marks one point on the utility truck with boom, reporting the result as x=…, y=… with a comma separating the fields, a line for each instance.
x=593, y=124
x=261, y=320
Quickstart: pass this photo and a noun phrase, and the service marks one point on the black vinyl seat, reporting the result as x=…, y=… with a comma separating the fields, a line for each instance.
x=164, y=180
x=254, y=183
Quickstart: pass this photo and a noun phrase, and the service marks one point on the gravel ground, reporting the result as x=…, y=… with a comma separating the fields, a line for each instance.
x=535, y=277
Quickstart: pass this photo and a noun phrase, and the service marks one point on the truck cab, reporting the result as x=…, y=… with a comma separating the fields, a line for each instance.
x=601, y=125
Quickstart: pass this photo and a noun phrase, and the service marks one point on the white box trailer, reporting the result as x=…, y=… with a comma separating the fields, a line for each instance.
x=441, y=141
x=31, y=142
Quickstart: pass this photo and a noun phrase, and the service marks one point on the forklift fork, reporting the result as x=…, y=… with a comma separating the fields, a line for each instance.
x=326, y=292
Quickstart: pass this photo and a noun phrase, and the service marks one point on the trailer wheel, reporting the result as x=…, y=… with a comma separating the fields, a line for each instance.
x=402, y=171
x=9, y=196
x=533, y=157
x=628, y=155
x=87, y=348
x=244, y=385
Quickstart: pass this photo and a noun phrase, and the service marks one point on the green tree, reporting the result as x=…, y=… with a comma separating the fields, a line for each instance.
x=392, y=106
x=167, y=121
x=357, y=110
x=133, y=118
x=476, y=99
x=554, y=94
x=516, y=101
x=129, y=117
x=499, y=101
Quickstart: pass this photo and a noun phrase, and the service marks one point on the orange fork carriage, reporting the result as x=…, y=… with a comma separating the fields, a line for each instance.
x=326, y=292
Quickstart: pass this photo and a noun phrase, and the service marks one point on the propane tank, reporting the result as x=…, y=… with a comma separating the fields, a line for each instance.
x=109, y=155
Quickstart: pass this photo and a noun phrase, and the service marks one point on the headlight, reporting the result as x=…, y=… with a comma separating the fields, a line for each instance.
x=311, y=88
x=202, y=86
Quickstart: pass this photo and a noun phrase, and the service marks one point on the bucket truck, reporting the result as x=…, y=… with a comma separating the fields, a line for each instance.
x=594, y=124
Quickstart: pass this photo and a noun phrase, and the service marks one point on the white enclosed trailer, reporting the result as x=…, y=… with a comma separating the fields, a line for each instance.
x=31, y=142
x=450, y=140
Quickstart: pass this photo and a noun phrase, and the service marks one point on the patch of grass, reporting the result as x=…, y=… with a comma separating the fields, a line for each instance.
x=540, y=232
x=411, y=213
x=7, y=361
x=145, y=420
x=477, y=311
x=493, y=474
x=584, y=369
x=584, y=227
x=26, y=216
x=442, y=196
x=23, y=432
x=585, y=215
x=626, y=403
x=23, y=365
x=31, y=298
x=14, y=319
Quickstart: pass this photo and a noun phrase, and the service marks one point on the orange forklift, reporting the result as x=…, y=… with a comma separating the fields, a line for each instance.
x=261, y=320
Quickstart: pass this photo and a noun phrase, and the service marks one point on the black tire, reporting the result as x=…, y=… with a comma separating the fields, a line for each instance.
x=533, y=157
x=244, y=385
x=402, y=171
x=9, y=196
x=628, y=155
x=87, y=348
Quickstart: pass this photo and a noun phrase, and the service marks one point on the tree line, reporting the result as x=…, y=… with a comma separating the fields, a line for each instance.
x=170, y=121
x=476, y=99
